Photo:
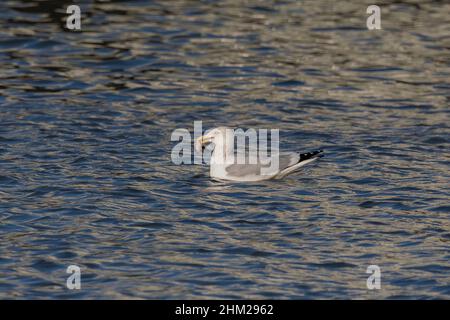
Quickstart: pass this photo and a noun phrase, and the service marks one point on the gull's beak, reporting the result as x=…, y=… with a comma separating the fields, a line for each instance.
x=201, y=141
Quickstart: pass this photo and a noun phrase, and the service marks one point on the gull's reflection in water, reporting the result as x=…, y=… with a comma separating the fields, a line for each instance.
x=208, y=185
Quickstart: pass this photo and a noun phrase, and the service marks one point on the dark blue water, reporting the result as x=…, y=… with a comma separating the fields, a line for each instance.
x=86, y=176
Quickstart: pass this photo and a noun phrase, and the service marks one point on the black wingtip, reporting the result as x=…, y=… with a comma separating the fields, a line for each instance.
x=309, y=155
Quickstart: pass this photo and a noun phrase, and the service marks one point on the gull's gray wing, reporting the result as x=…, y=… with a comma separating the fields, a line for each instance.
x=285, y=160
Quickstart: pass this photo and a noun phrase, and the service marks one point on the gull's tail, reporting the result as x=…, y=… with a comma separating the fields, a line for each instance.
x=304, y=158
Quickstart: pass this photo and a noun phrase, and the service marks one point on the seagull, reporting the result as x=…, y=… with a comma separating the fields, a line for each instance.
x=223, y=165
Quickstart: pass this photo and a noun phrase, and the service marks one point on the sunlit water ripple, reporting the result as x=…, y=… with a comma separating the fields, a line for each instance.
x=85, y=170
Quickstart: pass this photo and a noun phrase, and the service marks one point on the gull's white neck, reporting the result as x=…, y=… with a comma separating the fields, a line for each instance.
x=222, y=155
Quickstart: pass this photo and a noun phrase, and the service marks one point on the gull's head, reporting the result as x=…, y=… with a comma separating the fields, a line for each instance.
x=216, y=136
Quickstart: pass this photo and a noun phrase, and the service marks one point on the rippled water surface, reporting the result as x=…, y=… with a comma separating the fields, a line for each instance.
x=86, y=176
